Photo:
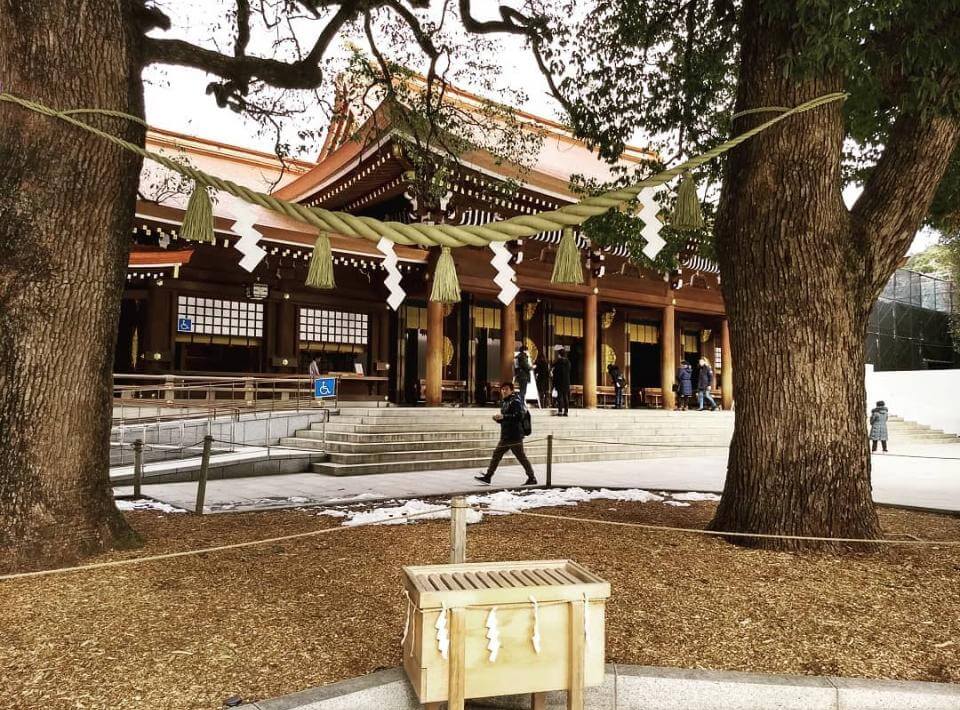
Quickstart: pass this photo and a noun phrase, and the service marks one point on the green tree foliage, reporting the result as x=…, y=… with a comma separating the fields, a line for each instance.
x=668, y=68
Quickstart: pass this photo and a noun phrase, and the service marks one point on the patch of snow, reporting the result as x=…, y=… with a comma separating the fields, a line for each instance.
x=695, y=496
x=395, y=515
x=332, y=513
x=505, y=502
x=497, y=503
x=146, y=504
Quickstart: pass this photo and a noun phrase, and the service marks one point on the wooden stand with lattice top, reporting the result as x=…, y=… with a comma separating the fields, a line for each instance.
x=503, y=628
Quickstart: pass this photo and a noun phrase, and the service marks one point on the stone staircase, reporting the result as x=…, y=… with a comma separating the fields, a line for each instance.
x=391, y=440
x=902, y=431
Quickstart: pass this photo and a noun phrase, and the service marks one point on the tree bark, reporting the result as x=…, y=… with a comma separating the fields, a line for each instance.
x=794, y=286
x=67, y=202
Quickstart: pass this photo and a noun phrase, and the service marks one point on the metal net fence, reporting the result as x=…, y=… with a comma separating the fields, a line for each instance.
x=909, y=326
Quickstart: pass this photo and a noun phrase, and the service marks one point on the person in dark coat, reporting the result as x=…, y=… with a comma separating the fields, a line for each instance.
x=512, y=410
x=704, y=381
x=684, y=385
x=561, y=382
x=618, y=380
x=522, y=369
x=878, y=425
x=541, y=373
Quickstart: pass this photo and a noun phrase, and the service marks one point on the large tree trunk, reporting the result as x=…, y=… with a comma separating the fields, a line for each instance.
x=797, y=299
x=66, y=206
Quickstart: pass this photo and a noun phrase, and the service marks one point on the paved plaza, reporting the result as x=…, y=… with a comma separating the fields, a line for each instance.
x=922, y=476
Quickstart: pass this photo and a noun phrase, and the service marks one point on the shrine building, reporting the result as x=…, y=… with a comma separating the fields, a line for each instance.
x=191, y=308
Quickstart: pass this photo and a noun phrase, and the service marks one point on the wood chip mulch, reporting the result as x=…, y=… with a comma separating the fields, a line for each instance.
x=270, y=620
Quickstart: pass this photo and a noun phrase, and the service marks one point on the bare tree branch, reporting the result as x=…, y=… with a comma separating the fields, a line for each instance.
x=243, y=28
x=241, y=69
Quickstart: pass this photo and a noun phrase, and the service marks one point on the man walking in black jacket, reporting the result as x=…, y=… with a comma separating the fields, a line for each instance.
x=511, y=435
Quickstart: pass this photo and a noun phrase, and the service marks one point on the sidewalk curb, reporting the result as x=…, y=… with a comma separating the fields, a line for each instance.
x=654, y=688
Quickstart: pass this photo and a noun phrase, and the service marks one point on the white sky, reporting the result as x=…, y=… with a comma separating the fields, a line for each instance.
x=176, y=99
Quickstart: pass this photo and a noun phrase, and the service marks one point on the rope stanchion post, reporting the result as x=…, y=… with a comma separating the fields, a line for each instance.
x=137, y=466
x=549, y=460
x=458, y=530
x=204, y=469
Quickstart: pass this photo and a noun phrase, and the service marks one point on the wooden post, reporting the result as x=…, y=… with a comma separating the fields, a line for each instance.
x=508, y=338
x=434, y=393
x=577, y=649
x=668, y=356
x=726, y=373
x=456, y=691
x=549, y=460
x=204, y=467
x=590, y=350
x=137, y=466
x=538, y=701
x=458, y=530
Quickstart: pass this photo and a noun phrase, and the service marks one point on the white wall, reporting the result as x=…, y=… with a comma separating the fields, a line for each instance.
x=930, y=397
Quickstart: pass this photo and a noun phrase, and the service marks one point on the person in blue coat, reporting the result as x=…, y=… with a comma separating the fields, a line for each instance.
x=878, y=425
x=684, y=385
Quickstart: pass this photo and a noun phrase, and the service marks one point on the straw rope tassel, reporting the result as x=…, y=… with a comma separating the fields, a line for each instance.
x=198, y=219
x=567, y=269
x=421, y=234
x=686, y=213
x=320, y=274
x=446, y=285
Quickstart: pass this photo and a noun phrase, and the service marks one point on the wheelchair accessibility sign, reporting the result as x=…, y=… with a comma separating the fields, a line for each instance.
x=325, y=387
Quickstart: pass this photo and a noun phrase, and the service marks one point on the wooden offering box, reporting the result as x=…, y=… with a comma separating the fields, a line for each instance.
x=555, y=605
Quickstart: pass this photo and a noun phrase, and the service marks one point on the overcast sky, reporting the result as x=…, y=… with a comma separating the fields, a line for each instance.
x=176, y=99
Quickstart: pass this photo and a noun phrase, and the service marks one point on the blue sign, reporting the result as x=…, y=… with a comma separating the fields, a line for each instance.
x=184, y=325
x=325, y=387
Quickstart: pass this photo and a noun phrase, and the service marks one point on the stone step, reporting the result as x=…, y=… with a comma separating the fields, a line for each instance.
x=539, y=427
x=480, y=415
x=472, y=411
x=421, y=439
x=421, y=449
x=494, y=430
x=480, y=463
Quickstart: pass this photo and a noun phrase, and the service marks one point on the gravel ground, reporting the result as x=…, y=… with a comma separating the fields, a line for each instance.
x=269, y=620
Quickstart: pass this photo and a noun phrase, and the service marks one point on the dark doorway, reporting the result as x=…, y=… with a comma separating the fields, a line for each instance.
x=574, y=349
x=644, y=369
x=411, y=371
x=481, y=376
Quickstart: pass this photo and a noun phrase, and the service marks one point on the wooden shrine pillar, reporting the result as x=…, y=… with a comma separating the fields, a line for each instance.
x=668, y=356
x=726, y=373
x=590, y=349
x=286, y=343
x=434, y=393
x=508, y=338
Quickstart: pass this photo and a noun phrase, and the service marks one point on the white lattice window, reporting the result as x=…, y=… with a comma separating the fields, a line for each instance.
x=323, y=326
x=717, y=358
x=214, y=316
